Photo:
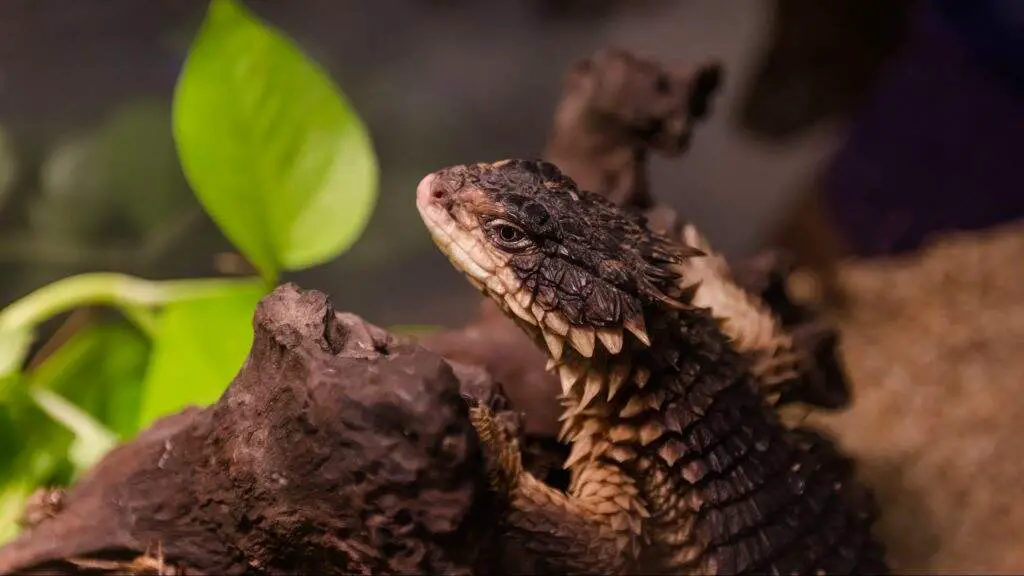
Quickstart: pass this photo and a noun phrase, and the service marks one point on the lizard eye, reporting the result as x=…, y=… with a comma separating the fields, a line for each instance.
x=507, y=235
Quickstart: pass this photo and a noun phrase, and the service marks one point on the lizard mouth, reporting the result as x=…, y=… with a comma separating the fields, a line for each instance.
x=463, y=247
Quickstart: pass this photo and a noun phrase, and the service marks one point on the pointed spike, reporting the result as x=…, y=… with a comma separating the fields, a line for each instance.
x=641, y=376
x=607, y=507
x=619, y=522
x=590, y=427
x=582, y=340
x=570, y=374
x=617, y=376
x=538, y=312
x=556, y=344
x=654, y=400
x=623, y=501
x=634, y=523
x=670, y=452
x=594, y=382
x=672, y=423
x=550, y=365
x=621, y=454
x=687, y=293
x=691, y=252
x=636, y=405
x=579, y=450
x=694, y=471
x=638, y=328
x=641, y=510
x=557, y=323
x=622, y=433
x=525, y=298
x=611, y=338
x=650, y=432
x=567, y=428
x=573, y=411
x=518, y=310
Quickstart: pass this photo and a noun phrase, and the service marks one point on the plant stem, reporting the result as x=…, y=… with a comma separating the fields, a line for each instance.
x=108, y=288
x=143, y=318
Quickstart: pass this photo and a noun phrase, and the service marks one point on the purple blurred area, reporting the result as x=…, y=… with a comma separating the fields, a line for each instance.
x=938, y=144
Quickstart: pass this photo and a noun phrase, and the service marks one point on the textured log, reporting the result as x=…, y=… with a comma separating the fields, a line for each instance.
x=337, y=449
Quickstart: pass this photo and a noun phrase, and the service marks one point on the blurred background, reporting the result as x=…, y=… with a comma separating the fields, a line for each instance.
x=849, y=126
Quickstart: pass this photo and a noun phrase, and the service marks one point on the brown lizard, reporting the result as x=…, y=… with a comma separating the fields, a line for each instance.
x=678, y=462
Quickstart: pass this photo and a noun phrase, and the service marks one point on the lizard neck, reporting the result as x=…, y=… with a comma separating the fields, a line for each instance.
x=636, y=401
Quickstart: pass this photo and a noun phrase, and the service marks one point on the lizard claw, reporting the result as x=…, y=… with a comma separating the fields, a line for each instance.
x=501, y=449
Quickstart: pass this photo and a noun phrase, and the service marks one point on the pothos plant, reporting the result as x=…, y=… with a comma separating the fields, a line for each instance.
x=283, y=165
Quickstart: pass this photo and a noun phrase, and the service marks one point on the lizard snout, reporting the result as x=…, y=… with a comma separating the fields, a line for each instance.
x=427, y=191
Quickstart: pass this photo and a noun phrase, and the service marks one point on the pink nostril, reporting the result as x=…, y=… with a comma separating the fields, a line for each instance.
x=427, y=192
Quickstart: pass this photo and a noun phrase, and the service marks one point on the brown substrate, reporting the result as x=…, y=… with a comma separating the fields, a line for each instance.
x=934, y=345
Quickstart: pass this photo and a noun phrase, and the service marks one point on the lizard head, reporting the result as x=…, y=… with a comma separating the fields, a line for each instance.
x=566, y=264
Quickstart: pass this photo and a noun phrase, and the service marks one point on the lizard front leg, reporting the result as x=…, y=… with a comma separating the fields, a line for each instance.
x=594, y=529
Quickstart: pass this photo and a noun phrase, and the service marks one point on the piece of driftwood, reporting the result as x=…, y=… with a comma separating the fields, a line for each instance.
x=338, y=448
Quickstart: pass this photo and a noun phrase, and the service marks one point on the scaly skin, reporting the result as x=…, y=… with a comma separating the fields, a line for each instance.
x=678, y=462
x=616, y=108
x=747, y=321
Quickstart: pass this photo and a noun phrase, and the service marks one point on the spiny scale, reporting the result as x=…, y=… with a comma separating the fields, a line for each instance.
x=518, y=310
x=556, y=344
x=634, y=406
x=638, y=328
x=611, y=338
x=557, y=323
x=580, y=448
x=617, y=376
x=582, y=340
x=671, y=451
x=595, y=380
x=651, y=431
x=570, y=373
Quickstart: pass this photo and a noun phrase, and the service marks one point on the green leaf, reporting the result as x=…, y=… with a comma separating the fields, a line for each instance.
x=99, y=370
x=200, y=346
x=92, y=439
x=12, y=502
x=273, y=151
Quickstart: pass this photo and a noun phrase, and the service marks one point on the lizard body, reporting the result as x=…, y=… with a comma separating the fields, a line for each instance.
x=678, y=463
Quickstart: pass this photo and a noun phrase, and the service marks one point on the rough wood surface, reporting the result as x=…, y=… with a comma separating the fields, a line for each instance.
x=336, y=449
